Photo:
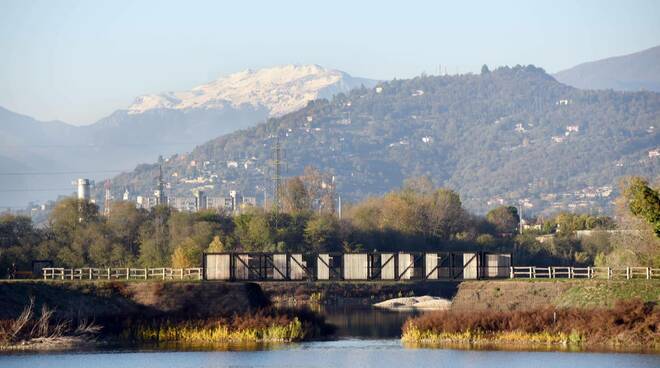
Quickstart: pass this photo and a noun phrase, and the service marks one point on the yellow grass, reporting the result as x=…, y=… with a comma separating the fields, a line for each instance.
x=222, y=333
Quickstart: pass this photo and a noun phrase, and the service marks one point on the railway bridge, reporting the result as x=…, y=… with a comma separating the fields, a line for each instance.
x=372, y=266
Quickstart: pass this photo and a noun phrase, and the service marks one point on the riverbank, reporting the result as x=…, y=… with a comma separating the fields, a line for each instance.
x=37, y=315
x=119, y=299
x=521, y=295
x=631, y=324
x=609, y=314
x=157, y=312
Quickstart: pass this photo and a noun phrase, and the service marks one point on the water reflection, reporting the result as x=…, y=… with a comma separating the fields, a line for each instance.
x=365, y=322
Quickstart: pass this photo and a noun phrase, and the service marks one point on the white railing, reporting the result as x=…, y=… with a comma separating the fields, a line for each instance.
x=197, y=273
x=163, y=273
x=563, y=272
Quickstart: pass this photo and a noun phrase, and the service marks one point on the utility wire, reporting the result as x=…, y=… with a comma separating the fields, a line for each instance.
x=35, y=190
x=104, y=145
x=60, y=172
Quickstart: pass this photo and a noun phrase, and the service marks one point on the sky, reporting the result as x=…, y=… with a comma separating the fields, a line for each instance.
x=78, y=61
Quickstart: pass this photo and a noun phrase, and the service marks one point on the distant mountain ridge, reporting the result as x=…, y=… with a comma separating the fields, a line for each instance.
x=155, y=124
x=510, y=136
x=633, y=72
x=280, y=89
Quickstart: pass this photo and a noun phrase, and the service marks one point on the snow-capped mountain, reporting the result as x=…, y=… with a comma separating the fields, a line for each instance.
x=161, y=124
x=280, y=90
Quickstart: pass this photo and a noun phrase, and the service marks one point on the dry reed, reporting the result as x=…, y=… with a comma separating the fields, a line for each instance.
x=629, y=323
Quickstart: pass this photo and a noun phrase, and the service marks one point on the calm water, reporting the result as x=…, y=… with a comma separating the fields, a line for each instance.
x=366, y=338
x=341, y=353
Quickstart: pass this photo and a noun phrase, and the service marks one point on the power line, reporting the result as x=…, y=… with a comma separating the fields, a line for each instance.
x=35, y=190
x=103, y=145
x=60, y=172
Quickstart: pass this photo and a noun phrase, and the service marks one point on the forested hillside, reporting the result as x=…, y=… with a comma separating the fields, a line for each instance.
x=508, y=136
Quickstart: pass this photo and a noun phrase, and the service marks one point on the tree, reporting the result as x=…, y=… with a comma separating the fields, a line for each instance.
x=643, y=201
x=154, y=238
x=637, y=244
x=181, y=257
x=259, y=233
x=484, y=69
x=420, y=185
x=486, y=240
x=365, y=216
x=69, y=215
x=295, y=198
x=504, y=219
x=446, y=216
x=322, y=234
x=124, y=224
x=216, y=245
x=18, y=239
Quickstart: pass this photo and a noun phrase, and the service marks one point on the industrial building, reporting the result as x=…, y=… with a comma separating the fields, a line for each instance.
x=374, y=266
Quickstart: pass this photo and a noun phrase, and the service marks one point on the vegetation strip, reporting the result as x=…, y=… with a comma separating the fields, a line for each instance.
x=40, y=330
x=631, y=323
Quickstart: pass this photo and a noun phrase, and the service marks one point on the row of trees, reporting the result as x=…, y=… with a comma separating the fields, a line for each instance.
x=417, y=217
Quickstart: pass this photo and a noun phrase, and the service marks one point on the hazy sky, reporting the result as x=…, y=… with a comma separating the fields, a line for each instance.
x=78, y=61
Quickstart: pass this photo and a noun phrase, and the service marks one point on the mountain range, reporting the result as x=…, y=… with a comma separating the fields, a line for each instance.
x=508, y=136
x=170, y=123
x=160, y=124
x=633, y=72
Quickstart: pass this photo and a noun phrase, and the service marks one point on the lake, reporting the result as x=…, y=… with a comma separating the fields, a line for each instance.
x=365, y=338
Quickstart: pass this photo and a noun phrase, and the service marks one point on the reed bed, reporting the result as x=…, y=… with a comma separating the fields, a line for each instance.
x=267, y=325
x=631, y=323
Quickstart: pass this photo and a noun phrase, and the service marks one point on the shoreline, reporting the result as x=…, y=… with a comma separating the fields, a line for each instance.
x=630, y=324
x=493, y=345
x=204, y=307
x=68, y=345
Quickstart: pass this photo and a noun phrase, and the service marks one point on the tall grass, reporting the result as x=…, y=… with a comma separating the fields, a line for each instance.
x=267, y=325
x=630, y=323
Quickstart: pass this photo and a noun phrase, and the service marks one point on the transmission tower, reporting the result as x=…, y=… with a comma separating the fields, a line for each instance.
x=107, y=199
x=277, y=179
x=278, y=161
x=160, y=191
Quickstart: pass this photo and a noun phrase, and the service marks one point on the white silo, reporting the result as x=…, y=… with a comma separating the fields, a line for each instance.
x=83, y=189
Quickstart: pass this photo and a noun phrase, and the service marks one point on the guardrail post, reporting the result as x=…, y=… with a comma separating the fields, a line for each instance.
x=627, y=273
x=511, y=272
x=648, y=273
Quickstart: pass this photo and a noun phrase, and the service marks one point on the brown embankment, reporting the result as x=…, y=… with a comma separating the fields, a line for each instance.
x=516, y=295
x=342, y=292
x=113, y=299
x=116, y=299
x=493, y=295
